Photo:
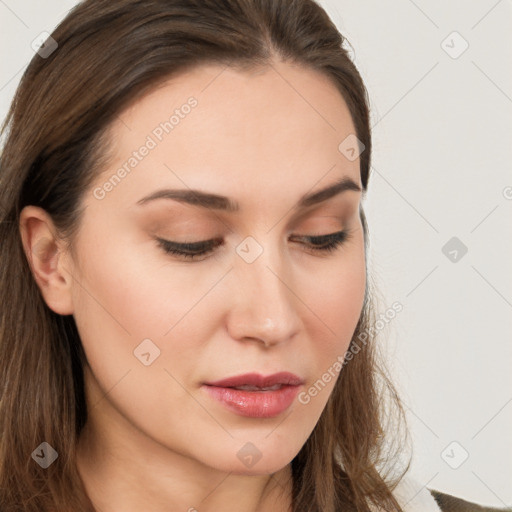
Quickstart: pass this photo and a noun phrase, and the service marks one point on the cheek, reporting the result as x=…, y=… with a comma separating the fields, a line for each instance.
x=341, y=300
x=122, y=300
x=336, y=298
x=143, y=328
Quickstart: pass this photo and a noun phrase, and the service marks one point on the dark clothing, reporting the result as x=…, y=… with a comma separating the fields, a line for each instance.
x=448, y=503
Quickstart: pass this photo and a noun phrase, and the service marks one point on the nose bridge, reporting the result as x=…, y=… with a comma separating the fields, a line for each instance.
x=265, y=307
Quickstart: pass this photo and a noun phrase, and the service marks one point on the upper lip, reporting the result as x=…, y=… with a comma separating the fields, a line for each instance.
x=258, y=380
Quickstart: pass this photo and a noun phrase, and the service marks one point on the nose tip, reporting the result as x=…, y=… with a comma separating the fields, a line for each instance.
x=270, y=332
x=264, y=308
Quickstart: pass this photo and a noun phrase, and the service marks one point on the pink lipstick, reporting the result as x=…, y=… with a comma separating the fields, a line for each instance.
x=254, y=395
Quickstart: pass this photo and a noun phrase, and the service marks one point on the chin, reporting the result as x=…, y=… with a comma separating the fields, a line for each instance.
x=256, y=458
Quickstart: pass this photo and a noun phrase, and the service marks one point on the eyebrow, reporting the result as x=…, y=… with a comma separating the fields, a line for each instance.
x=218, y=202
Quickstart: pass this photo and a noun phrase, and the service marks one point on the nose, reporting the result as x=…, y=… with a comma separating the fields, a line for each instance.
x=264, y=303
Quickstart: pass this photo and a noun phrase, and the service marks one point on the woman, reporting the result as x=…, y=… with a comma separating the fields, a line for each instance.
x=186, y=315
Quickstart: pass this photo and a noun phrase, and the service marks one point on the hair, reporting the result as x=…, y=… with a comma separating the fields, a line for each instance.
x=111, y=53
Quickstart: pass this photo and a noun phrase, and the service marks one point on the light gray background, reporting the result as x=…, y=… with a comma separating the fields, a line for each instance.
x=441, y=169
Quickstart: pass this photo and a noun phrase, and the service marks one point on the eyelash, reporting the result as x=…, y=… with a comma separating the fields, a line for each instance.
x=190, y=251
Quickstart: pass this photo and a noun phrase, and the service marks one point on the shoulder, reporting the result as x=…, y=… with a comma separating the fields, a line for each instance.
x=449, y=503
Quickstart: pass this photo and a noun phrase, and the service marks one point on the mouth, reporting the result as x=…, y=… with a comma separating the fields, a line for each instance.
x=256, y=388
x=253, y=395
x=258, y=381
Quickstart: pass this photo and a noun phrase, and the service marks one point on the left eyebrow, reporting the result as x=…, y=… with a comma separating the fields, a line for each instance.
x=336, y=188
x=218, y=202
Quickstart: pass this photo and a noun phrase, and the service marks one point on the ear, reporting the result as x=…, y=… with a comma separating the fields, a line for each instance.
x=47, y=258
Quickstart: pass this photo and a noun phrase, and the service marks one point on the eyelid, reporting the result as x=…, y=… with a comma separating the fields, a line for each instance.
x=190, y=246
x=325, y=244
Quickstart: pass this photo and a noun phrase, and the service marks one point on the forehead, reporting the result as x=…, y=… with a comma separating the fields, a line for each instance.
x=275, y=129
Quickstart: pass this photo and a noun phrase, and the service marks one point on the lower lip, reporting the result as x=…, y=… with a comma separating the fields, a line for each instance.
x=255, y=404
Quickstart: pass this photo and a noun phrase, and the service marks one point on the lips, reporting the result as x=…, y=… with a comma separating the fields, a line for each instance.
x=254, y=395
x=258, y=381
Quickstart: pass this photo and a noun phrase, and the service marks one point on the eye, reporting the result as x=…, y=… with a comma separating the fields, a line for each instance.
x=325, y=243
x=192, y=250
x=197, y=250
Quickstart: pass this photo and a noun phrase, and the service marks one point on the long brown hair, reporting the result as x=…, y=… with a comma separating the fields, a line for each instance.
x=110, y=53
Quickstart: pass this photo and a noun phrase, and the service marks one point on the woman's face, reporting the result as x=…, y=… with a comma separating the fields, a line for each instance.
x=157, y=326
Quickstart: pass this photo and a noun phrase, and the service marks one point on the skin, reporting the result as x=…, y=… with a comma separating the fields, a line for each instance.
x=154, y=440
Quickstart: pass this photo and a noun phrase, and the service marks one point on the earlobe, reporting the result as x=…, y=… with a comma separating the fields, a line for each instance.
x=45, y=253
